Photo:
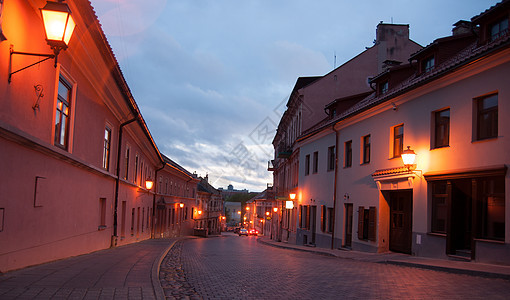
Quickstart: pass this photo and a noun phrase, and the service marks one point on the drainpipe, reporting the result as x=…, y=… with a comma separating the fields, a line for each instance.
x=153, y=230
x=334, y=188
x=117, y=181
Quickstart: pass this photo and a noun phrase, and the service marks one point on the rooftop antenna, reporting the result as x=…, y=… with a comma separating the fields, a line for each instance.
x=334, y=65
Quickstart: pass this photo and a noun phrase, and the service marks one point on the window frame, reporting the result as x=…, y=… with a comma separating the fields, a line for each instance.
x=315, y=169
x=107, y=144
x=491, y=126
x=307, y=165
x=65, y=141
x=397, y=150
x=441, y=128
x=500, y=31
x=348, y=154
x=428, y=64
x=331, y=158
x=366, y=149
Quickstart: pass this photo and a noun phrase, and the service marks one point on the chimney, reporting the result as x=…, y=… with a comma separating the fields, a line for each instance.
x=387, y=32
x=462, y=27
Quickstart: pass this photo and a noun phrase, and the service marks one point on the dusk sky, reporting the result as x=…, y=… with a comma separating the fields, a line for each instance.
x=212, y=77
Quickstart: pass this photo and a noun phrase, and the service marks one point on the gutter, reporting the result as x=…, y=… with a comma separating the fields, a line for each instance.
x=117, y=182
x=334, y=188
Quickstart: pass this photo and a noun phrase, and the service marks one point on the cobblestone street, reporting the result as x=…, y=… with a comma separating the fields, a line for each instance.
x=241, y=268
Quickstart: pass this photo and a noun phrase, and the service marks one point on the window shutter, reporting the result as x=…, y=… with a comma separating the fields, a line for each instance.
x=371, y=223
x=361, y=211
x=323, y=218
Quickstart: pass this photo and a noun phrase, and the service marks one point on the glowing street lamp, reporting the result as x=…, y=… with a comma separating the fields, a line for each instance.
x=409, y=157
x=275, y=209
x=181, y=205
x=58, y=28
x=247, y=208
x=148, y=184
x=267, y=213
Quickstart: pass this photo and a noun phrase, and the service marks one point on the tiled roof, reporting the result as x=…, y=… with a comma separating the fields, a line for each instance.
x=391, y=171
x=463, y=57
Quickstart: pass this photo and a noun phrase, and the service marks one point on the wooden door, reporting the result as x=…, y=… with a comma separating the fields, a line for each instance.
x=348, y=225
x=401, y=209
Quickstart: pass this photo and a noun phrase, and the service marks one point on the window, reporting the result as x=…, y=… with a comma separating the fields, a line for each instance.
x=315, y=162
x=324, y=218
x=366, y=223
x=499, y=29
x=439, y=207
x=331, y=219
x=383, y=88
x=366, y=149
x=132, y=221
x=331, y=158
x=126, y=176
x=307, y=164
x=398, y=140
x=442, y=128
x=63, y=113
x=490, y=207
x=487, y=117
x=106, y=147
x=348, y=154
x=102, y=214
x=136, y=169
x=428, y=64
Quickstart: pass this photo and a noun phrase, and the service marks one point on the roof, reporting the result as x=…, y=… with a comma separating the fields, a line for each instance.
x=489, y=11
x=264, y=195
x=300, y=83
x=204, y=186
x=468, y=55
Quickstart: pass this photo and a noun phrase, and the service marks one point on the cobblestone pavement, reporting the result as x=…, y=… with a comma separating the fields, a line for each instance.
x=241, y=268
x=172, y=277
x=119, y=273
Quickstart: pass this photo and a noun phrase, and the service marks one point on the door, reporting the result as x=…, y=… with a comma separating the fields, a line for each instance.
x=348, y=225
x=313, y=221
x=401, y=209
x=461, y=213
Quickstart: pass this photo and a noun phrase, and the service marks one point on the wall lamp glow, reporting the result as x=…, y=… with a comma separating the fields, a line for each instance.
x=58, y=27
x=181, y=205
x=409, y=157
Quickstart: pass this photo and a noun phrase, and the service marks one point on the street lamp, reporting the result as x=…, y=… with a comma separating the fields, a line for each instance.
x=409, y=157
x=181, y=205
x=58, y=27
x=149, y=184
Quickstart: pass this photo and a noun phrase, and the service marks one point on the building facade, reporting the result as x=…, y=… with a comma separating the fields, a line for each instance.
x=75, y=151
x=445, y=105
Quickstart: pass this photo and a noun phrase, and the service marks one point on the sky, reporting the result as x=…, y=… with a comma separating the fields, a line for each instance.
x=212, y=77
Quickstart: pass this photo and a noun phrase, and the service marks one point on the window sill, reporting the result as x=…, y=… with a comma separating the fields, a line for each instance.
x=491, y=241
x=101, y=227
x=440, y=147
x=436, y=234
x=488, y=139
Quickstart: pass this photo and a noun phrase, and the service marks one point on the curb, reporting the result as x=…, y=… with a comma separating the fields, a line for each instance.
x=449, y=270
x=156, y=285
x=296, y=249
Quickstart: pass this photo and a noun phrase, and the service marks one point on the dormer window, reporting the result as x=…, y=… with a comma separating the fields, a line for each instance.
x=428, y=64
x=383, y=87
x=499, y=29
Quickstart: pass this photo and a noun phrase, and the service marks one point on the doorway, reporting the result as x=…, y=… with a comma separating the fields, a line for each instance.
x=461, y=214
x=401, y=210
x=348, y=225
x=313, y=221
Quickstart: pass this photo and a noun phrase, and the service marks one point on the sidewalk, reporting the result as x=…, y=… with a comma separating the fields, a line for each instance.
x=125, y=272
x=451, y=266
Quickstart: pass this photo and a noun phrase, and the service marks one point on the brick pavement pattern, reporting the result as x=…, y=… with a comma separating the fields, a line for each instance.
x=117, y=273
x=240, y=268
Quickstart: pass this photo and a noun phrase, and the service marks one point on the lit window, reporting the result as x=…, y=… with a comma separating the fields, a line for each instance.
x=348, y=154
x=63, y=113
x=441, y=128
x=398, y=140
x=486, y=117
x=106, y=147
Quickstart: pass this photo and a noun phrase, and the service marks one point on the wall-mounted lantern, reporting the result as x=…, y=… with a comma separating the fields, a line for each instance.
x=181, y=205
x=275, y=209
x=58, y=26
x=409, y=157
x=149, y=184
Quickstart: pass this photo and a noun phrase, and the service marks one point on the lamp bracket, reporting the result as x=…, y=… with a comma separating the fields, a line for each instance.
x=12, y=52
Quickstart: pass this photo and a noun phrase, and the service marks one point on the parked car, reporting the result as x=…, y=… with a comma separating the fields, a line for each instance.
x=243, y=231
x=254, y=232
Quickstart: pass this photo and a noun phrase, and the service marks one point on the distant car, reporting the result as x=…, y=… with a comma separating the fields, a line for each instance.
x=254, y=232
x=243, y=231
